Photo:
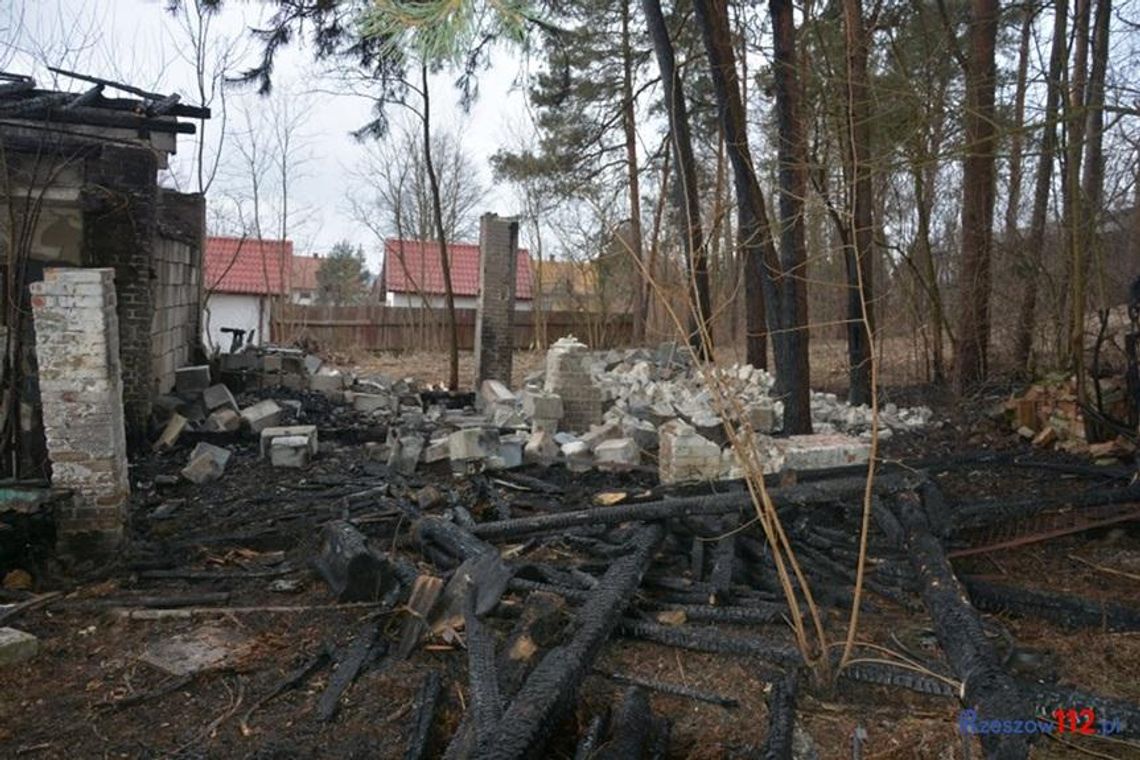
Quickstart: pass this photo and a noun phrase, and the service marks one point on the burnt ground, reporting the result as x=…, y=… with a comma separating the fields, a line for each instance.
x=89, y=693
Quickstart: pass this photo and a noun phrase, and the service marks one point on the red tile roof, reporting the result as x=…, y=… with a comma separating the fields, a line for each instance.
x=247, y=265
x=420, y=271
x=305, y=272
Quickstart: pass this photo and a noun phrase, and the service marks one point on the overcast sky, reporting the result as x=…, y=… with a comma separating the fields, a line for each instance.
x=138, y=42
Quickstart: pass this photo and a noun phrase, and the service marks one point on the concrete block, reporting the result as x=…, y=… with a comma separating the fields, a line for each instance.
x=762, y=417
x=326, y=382
x=507, y=417
x=377, y=451
x=243, y=361
x=643, y=432
x=261, y=415
x=578, y=456
x=541, y=423
x=437, y=450
x=546, y=406
x=685, y=455
x=308, y=432
x=599, y=433
x=292, y=451
x=510, y=454
x=224, y=420
x=294, y=381
x=541, y=449
x=473, y=443
x=494, y=392
x=617, y=455
x=404, y=452
x=17, y=646
x=272, y=363
x=170, y=434
x=207, y=463
x=217, y=397
x=368, y=403
x=192, y=380
x=821, y=451
x=312, y=364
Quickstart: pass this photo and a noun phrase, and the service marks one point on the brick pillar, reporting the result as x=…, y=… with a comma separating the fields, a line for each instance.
x=495, y=315
x=81, y=390
x=119, y=230
x=568, y=374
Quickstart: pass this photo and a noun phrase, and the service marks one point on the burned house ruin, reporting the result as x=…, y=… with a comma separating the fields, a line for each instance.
x=93, y=246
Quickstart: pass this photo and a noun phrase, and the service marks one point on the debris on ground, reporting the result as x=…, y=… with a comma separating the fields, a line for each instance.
x=394, y=570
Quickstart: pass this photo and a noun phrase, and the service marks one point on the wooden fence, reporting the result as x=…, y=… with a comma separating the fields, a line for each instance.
x=375, y=327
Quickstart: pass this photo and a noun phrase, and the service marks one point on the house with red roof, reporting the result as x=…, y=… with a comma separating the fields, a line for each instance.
x=412, y=276
x=240, y=277
x=303, y=285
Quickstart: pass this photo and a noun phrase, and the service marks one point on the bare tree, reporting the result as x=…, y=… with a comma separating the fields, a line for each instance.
x=212, y=57
x=389, y=192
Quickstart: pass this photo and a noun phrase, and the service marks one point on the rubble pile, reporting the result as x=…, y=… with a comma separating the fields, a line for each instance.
x=656, y=404
x=1049, y=414
x=614, y=411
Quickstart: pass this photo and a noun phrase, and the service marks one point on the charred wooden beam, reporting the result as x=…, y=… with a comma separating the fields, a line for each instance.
x=633, y=724
x=425, y=594
x=426, y=704
x=672, y=689
x=980, y=514
x=781, y=719
x=710, y=639
x=802, y=494
x=539, y=625
x=486, y=704
x=1066, y=609
x=551, y=689
x=986, y=687
x=743, y=614
x=349, y=661
x=86, y=98
x=451, y=537
x=904, y=677
x=593, y=737
x=723, y=558
x=354, y=571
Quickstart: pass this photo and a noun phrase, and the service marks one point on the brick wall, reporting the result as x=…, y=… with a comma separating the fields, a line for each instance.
x=81, y=391
x=119, y=232
x=177, y=287
x=495, y=310
x=568, y=375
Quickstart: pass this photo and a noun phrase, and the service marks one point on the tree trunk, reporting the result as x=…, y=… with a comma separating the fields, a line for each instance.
x=753, y=229
x=444, y=260
x=977, y=198
x=1012, y=236
x=640, y=281
x=924, y=195
x=1023, y=342
x=688, y=190
x=860, y=199
x=1071, y=211
x=1092, y=184
x=792, y=351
